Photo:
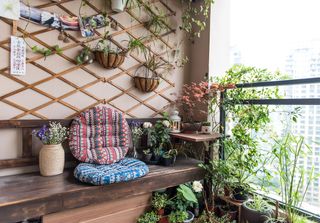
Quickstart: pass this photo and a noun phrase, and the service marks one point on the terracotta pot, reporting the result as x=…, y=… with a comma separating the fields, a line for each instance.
x=110, y=60
x=161, y=212
x=146, y=84
x=51, y=160
x=164, y=219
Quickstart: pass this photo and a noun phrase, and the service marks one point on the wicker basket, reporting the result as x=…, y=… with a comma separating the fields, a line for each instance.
x=146, y=84
x=110, y=60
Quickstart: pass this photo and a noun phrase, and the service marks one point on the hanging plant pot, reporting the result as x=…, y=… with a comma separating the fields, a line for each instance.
x=145, y=79
x=118, y=5
x=110, y=60
x=146, y=84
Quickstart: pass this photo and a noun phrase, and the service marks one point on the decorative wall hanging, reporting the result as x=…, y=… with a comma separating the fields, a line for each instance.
x=10, y=9
x=63, y=22
x=17, y=56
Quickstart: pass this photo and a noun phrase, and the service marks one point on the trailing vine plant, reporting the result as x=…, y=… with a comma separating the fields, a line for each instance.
x=194, y=19
x=242, y=148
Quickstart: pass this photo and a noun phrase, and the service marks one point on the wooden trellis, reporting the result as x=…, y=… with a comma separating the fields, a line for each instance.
x=35, y=60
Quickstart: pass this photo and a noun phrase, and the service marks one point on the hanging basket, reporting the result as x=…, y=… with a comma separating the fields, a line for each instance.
x=145, y=79
x=110, y=60
x=146, y=84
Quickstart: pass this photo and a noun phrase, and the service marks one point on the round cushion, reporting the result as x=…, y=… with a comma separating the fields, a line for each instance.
x=99, y=135
x=125, y=170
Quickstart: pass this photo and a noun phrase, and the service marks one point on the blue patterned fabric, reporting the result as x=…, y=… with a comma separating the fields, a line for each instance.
x=125, y=170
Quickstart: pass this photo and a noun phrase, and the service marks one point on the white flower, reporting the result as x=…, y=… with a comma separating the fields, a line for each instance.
x=147, y=125
x=197, y=186
x=166, y=123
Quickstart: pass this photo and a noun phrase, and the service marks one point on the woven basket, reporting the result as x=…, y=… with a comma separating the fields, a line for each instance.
x=110, y=60
x=146, y=84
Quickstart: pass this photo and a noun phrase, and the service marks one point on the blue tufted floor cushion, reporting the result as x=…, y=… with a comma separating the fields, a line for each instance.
x=125, y=170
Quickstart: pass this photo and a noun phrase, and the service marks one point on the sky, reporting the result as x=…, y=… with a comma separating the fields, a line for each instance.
x=266, y=30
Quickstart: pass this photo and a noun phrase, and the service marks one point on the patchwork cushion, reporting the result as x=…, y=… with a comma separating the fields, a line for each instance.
x=125, y=170
x=99, y=135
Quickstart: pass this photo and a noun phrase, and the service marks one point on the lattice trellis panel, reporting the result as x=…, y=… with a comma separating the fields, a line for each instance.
x=56, y=87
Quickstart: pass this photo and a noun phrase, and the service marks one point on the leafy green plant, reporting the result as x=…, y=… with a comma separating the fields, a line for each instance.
x=146, y=151
x=157, y=23
x=149, y=217
x=187, y=193
x=206, y=123
x=159, y=136
x=241, y=149
x=194, y=19
x=85, y=56
x=45, y=51
x=136, y=44
x=159, y=201
x=170, y=153
x=177, y=216
x=210, y=217
x=259, y=204
x=294, y=179
x=218, y=172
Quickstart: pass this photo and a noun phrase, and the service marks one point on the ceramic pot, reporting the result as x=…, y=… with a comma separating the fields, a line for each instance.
x=118, y=5
x=168, y=161
x=51, y=160
x=254, y=216
x=206, y=129
x=190, y=217
x=147, y=157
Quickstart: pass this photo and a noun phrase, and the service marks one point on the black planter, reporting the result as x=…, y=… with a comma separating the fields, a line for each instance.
x=147, y=157
x=168, y=161
x=240, y=194
x=253, y=216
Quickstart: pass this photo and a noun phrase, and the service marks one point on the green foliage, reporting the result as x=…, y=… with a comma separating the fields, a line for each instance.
x=259, y=204
x=241, y=149
x=85, y=56
x=149, y=217
x=159, y=201
x=194, y=18
x=178, y=216
x=187, y=193
x=219, y=173
x=136, y=44
x=159, y=136
x=206, y=123
x=210, y=217
x=45, y=51
x=294, y=179
x=157, y=23
x=170, y=153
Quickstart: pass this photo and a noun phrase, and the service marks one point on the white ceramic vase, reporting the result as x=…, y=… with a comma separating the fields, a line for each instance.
x=51, y=160
x=118, y=5
x=206, y=129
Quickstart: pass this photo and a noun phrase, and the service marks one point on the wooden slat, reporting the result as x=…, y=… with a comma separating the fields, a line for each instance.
x=26, y=142
x=30, y=195
x=109, y=211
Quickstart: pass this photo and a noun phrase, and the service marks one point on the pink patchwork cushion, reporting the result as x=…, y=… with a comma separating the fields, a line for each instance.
x=99, y=135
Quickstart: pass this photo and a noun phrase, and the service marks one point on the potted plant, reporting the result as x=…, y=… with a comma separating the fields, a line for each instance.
x=206, y=128
x=169, y=157
x=149, y=217
x=256, y=210
x=52, y=155
x=158, y=138
x=147, y=77
x=294, y=179
x=147, y=155
x=118, y=5
x=85, y=56
x=178, y=216
x=159, y=202
x=107, y=57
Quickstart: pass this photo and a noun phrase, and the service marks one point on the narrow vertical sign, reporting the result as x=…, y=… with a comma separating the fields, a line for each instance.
x=18, y=56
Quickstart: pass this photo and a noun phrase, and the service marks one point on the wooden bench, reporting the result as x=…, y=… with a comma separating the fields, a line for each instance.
x=63, y=199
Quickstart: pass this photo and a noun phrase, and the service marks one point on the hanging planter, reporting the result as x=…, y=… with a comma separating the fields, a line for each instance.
x=118, y=5
x=145, y=79
x=110, y=60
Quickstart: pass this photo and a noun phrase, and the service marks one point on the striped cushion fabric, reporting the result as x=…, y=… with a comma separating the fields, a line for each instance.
x=125, y=170
x=99, y=135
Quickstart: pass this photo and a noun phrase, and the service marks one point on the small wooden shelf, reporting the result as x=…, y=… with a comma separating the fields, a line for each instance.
x=196, y=137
